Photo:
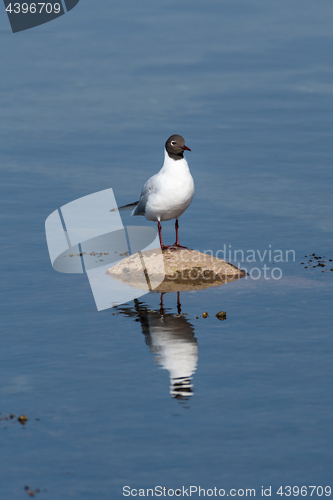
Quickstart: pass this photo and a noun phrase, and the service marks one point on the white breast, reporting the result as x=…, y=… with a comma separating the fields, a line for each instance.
x=172, y=192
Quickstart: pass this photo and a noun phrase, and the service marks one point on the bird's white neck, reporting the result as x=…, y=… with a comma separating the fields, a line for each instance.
x=171, y=164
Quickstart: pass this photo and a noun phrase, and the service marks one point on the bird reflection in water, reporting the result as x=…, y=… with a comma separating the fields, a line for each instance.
x=171, y=338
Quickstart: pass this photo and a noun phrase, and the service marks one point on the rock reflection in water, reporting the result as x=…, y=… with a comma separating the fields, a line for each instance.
x=171, y=338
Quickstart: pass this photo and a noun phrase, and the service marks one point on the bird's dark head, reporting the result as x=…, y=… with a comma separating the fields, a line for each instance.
x=175, y=147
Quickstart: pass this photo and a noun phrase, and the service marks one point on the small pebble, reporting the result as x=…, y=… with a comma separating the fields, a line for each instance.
x=221, y=315
x=22, y=419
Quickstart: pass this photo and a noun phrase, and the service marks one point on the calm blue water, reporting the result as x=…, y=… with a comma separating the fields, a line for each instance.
x=87, y=103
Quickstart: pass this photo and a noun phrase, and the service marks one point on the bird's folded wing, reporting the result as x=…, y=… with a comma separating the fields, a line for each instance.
x=146, y=190
x=139, y=206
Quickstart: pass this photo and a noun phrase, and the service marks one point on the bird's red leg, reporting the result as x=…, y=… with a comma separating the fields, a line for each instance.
x=160, y=235
x=176, y=227
x=177, y=239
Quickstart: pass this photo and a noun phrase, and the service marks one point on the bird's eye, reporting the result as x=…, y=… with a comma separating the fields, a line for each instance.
x=173, y=143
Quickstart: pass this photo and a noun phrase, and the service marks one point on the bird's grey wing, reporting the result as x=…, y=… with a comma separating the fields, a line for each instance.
x=146, y=190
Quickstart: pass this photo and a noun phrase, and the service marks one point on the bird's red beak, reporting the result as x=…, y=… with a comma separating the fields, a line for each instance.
x=186, y=148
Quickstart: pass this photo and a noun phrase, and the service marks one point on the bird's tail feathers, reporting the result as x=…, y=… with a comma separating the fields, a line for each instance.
x=130, y=206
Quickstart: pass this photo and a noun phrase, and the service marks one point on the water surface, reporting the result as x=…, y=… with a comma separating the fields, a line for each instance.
x=88, y=104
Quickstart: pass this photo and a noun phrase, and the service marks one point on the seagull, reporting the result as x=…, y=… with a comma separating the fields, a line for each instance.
x=167, y=194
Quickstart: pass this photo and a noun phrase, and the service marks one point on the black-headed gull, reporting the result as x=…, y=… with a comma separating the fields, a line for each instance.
x=167, y=194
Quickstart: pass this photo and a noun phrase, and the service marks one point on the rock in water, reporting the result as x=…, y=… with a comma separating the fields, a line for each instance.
x=174, y=270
